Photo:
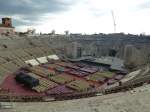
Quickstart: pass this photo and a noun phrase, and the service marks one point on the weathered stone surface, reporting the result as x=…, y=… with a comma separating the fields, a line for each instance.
x=100, y=45
x=133, y=57
x=132, y=101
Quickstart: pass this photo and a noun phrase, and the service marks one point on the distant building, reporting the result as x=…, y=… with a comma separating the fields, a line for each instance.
x=66, y=32
x=6, y=27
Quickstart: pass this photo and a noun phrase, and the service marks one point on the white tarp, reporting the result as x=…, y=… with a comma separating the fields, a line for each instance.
x=42, y=59
x=55, y=57
x=33, y=62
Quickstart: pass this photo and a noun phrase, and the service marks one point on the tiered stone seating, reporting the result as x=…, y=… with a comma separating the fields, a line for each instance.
x=133, y=79
x=23, y=43
x=7, y=55
x=10, y=66
x=46, y=41
x=20, y=53
x=38, y=52
x=37, y=42
x=14, y=52
x=19, y=62
x=47, y=51
x=3, y=72
x=138, y=79
x=35, y=51
x=2, y=60
x=10, y=56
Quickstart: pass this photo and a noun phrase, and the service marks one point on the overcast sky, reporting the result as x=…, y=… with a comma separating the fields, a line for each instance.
x=78, y=16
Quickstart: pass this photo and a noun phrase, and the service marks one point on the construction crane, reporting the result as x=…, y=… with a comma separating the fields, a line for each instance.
x=114, y=22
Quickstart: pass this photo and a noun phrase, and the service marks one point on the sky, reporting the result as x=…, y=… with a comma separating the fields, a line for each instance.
x=78, y=16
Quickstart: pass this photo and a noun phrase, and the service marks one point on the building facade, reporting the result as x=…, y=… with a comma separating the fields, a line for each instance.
x=6, y=27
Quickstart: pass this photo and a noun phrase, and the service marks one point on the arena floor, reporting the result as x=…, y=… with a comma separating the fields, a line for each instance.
x=61, y=78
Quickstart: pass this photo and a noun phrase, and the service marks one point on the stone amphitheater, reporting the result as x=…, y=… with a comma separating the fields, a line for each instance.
x=133, y=94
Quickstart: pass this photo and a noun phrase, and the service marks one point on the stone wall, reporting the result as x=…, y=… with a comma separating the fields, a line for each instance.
x=133, y=49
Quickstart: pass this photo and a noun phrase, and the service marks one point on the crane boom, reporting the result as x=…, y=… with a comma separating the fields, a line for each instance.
x=113, y=17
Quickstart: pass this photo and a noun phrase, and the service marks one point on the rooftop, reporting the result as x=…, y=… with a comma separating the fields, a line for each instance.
x=114, y=62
